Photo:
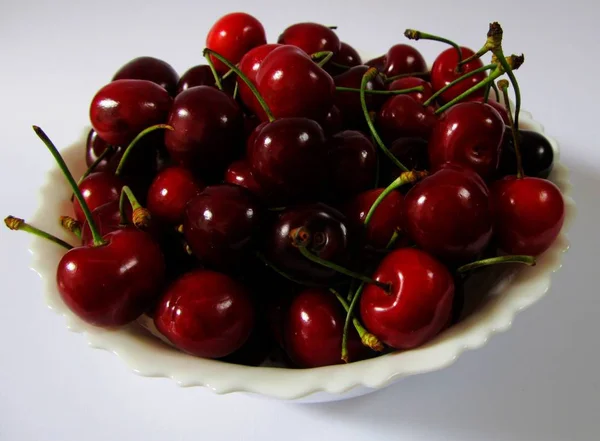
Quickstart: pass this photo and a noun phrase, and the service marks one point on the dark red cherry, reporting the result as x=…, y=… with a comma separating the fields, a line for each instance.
x=469, y=134
x=201, y=75
x=293, y=85
x=314, y=329
x=232, y=36
x=333, y=122
x=403, y=59
x=113, y=284
x=207, y=133
x=448, y=213
x=98, y=189
x=444, y=71
x=418, y=304
x=386, y=220
x=411, y=151
x=352, y=163
x=239, y=173
x=150, y=69
x=349, y=102
x=255, y=350
x=94, y=147
x=311, y=38
x=528, y=214
x=536, y=153
x=403, y=116
x=378, y=62
x=221, y=224
x=409, y=82
x=495, y=104
x=347, y=56
x=123, y=108
x=287, y=159
x=107, y=218
x=170, y=192
x=205, y=313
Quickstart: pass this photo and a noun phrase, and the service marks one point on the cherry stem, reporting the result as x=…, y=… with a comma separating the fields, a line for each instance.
x=404, y=75
x=503, y=85
x=326, y=55
x=17, y=224
x=486, y=93
x=458, y=80
x=109, y=149
x=366, y=337
x=493, y=76
x=526, y=260
x=496, y=91
x=235, y=90
x=245, y=79
x=409, y=177
x=382, y=92
x=506, y=66
x=301, y=237
x=282, y=273
x=341, y=66
x=97, y=238
x=369, y=75
x=393, y=239
x=133, y=143
x=494, y=40
x=141, y=216
x=214, y=72
x=71, y=225
x=227, y=74
x=412, y=34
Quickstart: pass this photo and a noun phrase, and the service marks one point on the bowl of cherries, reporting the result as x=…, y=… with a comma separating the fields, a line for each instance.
x=291, y=221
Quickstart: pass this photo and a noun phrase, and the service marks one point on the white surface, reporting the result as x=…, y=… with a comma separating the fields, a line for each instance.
x=537, y=382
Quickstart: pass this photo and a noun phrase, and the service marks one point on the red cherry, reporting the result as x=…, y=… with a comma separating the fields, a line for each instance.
x=150, y=69
x=123, y=108
x=403, y=59
x=97, y=189
x=378, y=63
x=386, y=220
x=469, y=134
x=232, y=36
x=113, y=284
x=94, y=147
x=170, y=192
x=419, y=302
x=495, y=104
x=333, y=122
x=205, y=313
x=403, y=116
x=411, y=151
x=347, y=56
x=107, y=218
x=409, y=82
x=448, y=213
x=201, y=75
x=444, y=71
x=292, y=85
x=314, y=329
x=239, y=173
x=528, y=214
x=311, y=38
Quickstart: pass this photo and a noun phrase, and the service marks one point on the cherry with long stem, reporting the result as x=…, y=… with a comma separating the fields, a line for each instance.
x=503, y=85
x=108, y=150
x=525, y=260
x=458, y=80
x=133, y=143
x=140, y=216
x=18, y=224
x=323, y=57
x=211, y=65
x=391, y=79
x=413, y=34
x=368, y=76
x=382, y=92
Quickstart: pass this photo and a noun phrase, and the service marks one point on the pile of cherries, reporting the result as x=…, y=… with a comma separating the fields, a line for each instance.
x=290, y=197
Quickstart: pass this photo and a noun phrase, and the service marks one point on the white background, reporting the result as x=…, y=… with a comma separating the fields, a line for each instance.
x=539, y=381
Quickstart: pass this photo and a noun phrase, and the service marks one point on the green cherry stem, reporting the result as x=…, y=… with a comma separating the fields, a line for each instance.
x=409, y=177
x=340, y=66
x=97, y=238
x=369, y=75
x=503, y=85
x=393, y=239
x=381, y=92
x=494, y=40
x=301, y=238
x=508, y=68
x=133, y=143
x=235, y=90
x=404, y=75
x=214, y=72
x=325, y=56
x=279, y=271
x=227, y=74
x=71, y=225
x=245, y=79
x=366, y=337
x=108, y=150
x=17, y=224
x=526, y=260
x=458, y=80
x=141, y=216
x=486, y=93
x=496, y=91
x=412, y=34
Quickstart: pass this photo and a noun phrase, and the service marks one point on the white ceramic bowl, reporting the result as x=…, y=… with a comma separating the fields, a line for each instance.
x=510, y=290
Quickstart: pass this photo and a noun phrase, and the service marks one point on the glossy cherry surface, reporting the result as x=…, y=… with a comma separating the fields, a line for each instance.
x=122, y=109
x=205, y=313
x=201, y=75
x=418, y=304
x=403, y=59
x=221, y=224
x=410, y=82
x=444, y=71
x=287, y=158
x=495, y=104
x=150, y=69
x=170, y=192
x=536, y=153
x=448, y=213
x=112, y=284
x=293, y=85
x=239, y=173
x=107, y=218
x=403, y=116
x=469, y=134
x=333, y=122
x=207, y=133
x=97, y=189
x=331, y=239
x=311, y=38
x=347, y=56
x=232, y=36
x=314, y=329
x=352, y=163
x=528, y=214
